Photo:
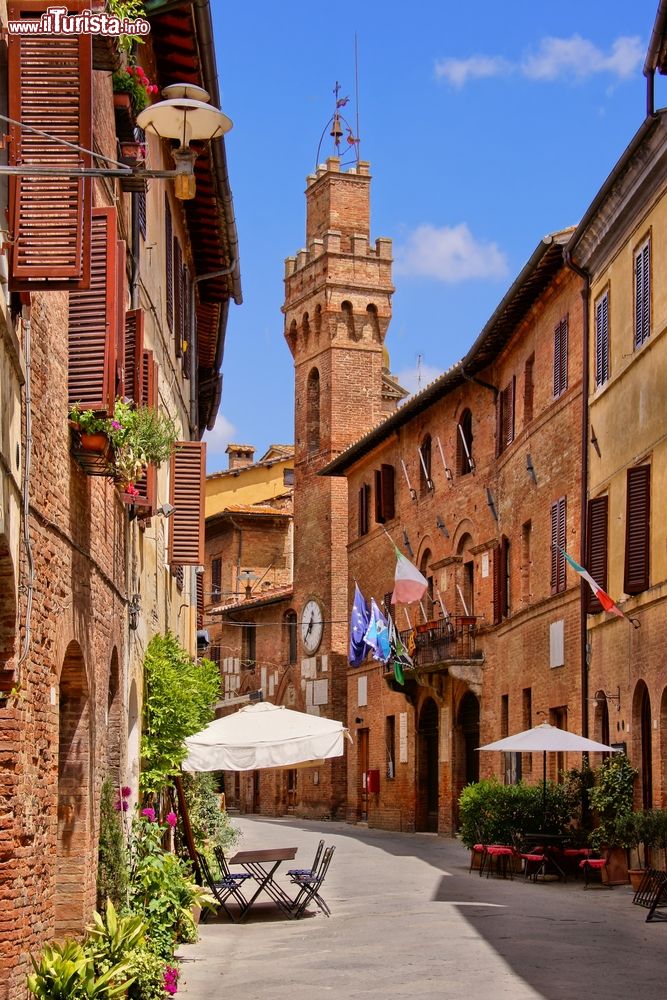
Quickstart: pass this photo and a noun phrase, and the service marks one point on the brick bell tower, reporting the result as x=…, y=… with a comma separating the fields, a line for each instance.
x=337, y=309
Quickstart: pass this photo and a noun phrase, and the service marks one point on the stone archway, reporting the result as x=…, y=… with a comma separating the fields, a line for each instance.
x=663, y=749
x=73, y=875
x=642, y=743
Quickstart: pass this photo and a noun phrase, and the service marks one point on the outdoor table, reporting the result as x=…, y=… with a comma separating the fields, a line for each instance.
x=552, y=844
x=263, y=865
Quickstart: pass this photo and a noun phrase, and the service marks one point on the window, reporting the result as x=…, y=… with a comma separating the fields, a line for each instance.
x=560, y=357
x=558, y=718
x=390, y=740
x=364, y=508
x=214, y=654
x=643, y=294
x=384, y=493
x=313, y=412
x=528, y=389
x=248, y=646
x=602, y=339
x=504, y=715
x=427, y=600
x=637, y=536
x=526, y=533
x=425, y=483
x=290, y=622
x=501, y=581
x=288, y=477
x=464, y=444
x=505, y=417
x=596, y=555
x=216, y=579
x=558, y=541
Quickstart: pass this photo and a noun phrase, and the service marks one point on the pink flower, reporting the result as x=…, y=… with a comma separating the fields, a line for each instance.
x=125, y=805
x=115, y=425
x=170, y=979
x=172, y=819
x=118, y=806
x=126, y=791
x=149, y=813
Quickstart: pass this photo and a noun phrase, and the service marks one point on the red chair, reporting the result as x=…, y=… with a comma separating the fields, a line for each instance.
x=536, y=860
x=475, y=850
x=574, y=856
x=590, y=865
x=500, y=857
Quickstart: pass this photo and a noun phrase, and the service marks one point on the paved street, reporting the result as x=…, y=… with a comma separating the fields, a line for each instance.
x=409, y=920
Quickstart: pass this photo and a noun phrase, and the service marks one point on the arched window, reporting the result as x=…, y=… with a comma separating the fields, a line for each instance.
x=348, y=317
x=425, y=465
x=466, y=580
x=372, y=312
x=464, y=443
x=428, y=596
x=305, y=327
x=313, y=412
x=317, y=320
x=643, y=742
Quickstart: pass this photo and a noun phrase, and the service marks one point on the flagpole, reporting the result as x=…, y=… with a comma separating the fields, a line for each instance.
x=463, y=600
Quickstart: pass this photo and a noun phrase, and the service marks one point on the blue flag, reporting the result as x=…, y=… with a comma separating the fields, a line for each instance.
x=377, y=634
x=358, y=624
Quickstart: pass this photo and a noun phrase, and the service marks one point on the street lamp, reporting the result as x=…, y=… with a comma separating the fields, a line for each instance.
x=184, y=116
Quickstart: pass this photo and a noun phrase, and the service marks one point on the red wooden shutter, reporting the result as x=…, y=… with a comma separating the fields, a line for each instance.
x=92, y=322
x=187, y=483
x=134, y=355
x=49, y=217
x=637, y=529
x=169, y=263
x=178, y=298
x=596, y=556
x=146, y=486
x=121, y=301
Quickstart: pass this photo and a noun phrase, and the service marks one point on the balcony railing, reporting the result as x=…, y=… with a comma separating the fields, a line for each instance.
x=439, y=641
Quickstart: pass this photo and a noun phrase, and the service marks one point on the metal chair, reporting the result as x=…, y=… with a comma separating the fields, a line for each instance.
x=310, y=885
x=313, y=867
x=590, y=865
x=222, y=889
x=225, y=872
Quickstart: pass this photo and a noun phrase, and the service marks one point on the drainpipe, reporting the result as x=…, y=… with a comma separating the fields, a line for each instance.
x=583, y=630
x=478, y=381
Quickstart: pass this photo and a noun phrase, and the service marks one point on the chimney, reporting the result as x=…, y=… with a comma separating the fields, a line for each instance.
x=240, y=456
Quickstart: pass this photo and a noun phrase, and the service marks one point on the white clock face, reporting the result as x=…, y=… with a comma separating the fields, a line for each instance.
x=312, y=625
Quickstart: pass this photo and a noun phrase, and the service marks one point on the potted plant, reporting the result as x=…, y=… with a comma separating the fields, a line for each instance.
x=132, y=84
x=140, y=436
x=92, y=430
x=612, y=798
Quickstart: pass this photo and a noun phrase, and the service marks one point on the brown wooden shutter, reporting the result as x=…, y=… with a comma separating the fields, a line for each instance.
x=505, y=416
x=528, y=389
x=200, y=600
x=216, y=579
x=364, y=500
x=187, y=483
x=379, y=517
x=504, y=570
x=637, y=529
x=146, y=485
x=134, y=355
x=602, y=340
x=169, y=263
x=596, y=556
x=560, y=357
x=388, y=491
x=497, y=585
x=499, y=423
x=49, y=217
x=121, y=301
x=558, y=538
x=178, y=299
x=187, y=323
x=93, y=323
x=642, y=295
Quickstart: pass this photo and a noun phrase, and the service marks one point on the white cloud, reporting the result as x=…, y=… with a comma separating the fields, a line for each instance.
x=554, y=58
x=417, y=378
x=459, y=71
x=576, y=56
x=450, y=254
x=216, y=443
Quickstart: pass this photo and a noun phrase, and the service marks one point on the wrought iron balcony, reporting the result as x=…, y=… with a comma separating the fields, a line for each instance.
x=442, y=641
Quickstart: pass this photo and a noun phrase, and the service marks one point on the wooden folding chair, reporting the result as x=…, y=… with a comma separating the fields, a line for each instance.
x=310, y=885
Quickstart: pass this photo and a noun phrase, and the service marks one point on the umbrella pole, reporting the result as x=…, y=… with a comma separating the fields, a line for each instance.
x=544, y=788
x=185, y=818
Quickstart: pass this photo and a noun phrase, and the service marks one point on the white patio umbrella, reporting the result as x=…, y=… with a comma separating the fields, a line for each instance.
x=543, y=739
x=263, y=735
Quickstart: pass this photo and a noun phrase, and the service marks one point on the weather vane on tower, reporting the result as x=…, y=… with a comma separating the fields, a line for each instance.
x=341, y=131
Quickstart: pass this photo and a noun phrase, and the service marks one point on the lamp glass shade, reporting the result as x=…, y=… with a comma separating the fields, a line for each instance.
x=184, y=119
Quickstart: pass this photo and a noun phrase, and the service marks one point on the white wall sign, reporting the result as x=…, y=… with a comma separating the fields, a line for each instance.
x=557, y=644
x=485, y=564
x=362, y=691
x=403, y=737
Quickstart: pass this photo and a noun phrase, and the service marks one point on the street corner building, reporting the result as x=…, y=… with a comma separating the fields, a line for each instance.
x=117, y=276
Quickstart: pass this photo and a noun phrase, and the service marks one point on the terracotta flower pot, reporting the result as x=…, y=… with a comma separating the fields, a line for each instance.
x=122, y=100
x=93, y=442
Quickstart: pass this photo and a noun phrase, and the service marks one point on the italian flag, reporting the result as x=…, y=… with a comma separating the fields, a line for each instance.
x=604, y=598
x=409, y=584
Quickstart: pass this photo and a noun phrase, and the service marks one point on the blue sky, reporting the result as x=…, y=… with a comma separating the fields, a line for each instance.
x=487, y=125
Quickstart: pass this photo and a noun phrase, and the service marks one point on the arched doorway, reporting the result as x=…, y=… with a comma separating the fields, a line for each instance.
x=73, y=869
x=663, y=753
x=466, y=741
x=643, y=742
x=601, y=721
x=428, y=784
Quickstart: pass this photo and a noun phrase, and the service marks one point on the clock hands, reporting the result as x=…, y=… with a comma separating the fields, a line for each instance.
x=310, y=623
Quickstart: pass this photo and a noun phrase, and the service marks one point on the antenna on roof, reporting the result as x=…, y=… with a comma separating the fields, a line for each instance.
x=420, y=358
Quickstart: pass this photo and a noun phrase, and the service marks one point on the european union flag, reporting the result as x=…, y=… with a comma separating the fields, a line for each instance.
x=358, y=624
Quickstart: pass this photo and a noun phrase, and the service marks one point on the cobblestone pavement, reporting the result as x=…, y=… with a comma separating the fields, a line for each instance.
x=409, y=920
